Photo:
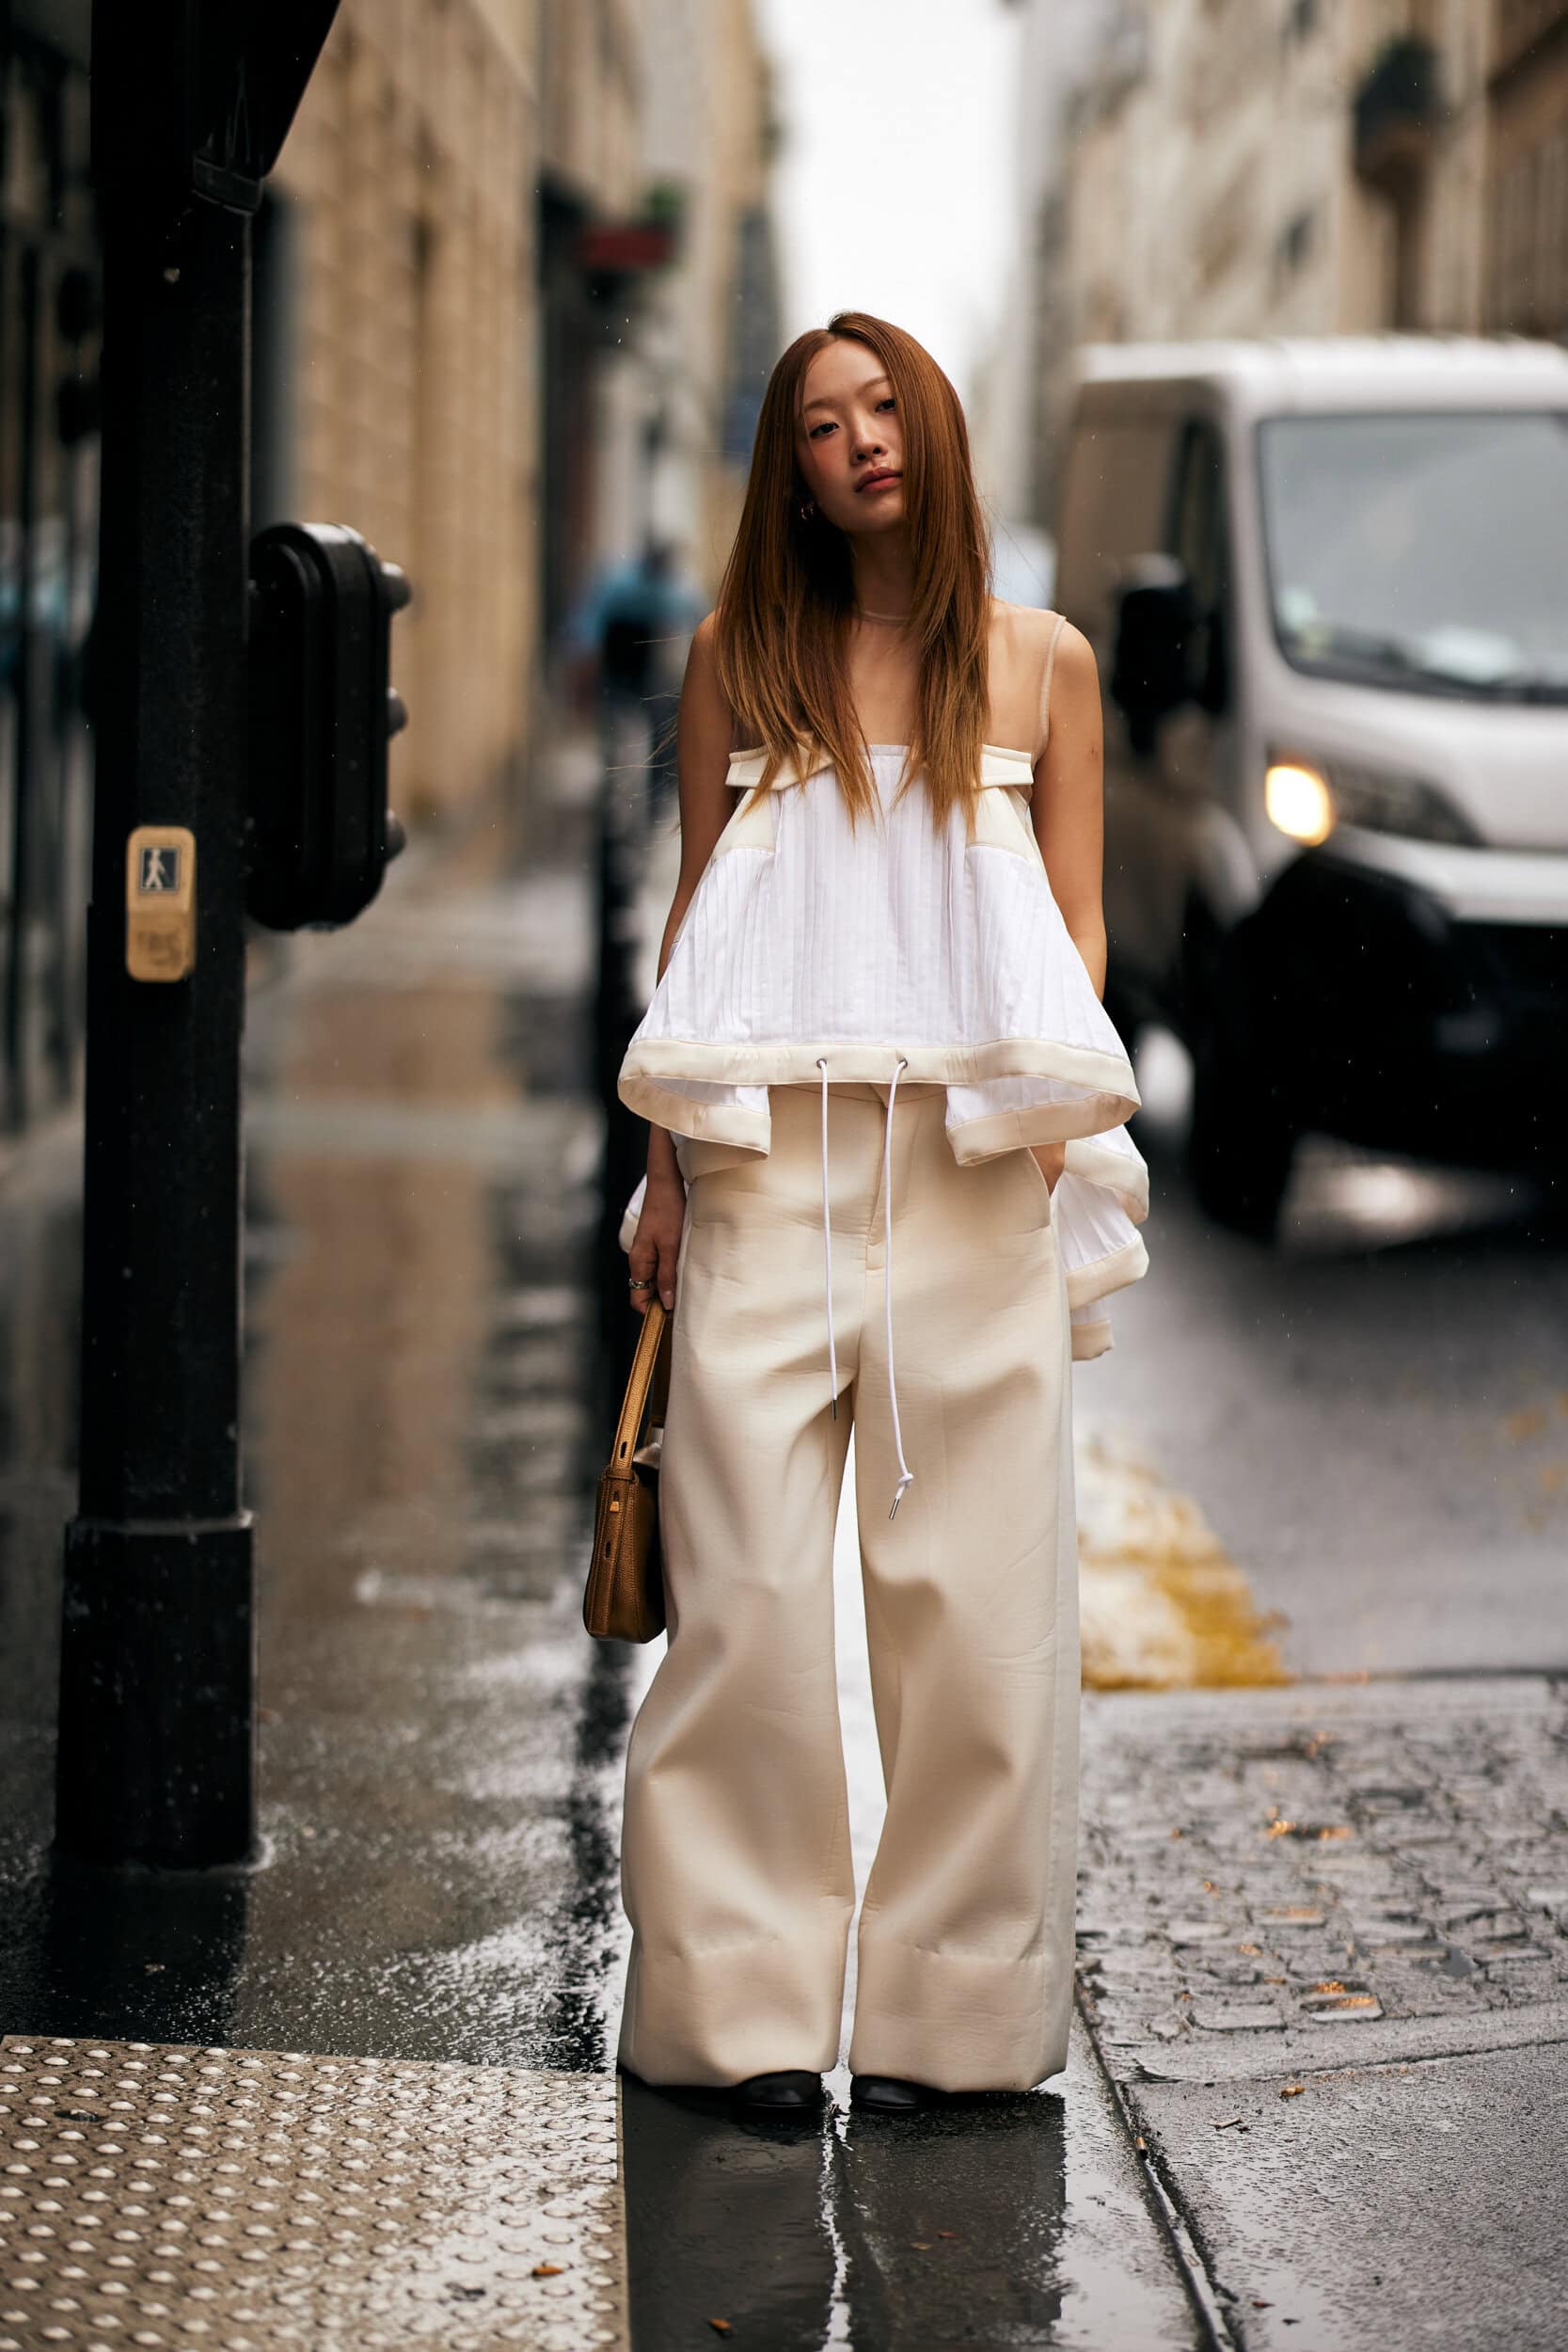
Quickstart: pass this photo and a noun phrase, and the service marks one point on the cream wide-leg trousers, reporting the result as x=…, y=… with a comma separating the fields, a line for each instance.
x=736, y=1861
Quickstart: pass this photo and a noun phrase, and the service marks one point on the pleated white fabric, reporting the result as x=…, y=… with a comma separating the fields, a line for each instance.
x=891, y=948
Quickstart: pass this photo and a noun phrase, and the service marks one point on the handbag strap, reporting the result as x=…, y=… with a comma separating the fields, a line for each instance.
x=650, y=1371
x=659, y=1395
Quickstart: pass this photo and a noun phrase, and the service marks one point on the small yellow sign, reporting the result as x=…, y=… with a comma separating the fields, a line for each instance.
x=160, y=902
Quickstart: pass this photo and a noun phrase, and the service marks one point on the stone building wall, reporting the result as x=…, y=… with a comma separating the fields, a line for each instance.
x=412, y=383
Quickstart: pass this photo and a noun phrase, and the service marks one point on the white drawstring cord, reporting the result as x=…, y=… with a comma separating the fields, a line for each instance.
x=827, y=1245
x=905, y=1473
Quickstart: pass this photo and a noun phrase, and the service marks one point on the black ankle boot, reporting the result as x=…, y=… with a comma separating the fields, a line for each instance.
x=790, y=2093
x=888, y=2093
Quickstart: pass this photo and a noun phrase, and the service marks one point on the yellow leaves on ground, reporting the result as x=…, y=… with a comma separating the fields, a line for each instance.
x=1163, y=1606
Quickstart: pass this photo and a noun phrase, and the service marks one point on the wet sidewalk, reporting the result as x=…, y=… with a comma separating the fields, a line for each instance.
x=1323, y=1951
x=358, y=2094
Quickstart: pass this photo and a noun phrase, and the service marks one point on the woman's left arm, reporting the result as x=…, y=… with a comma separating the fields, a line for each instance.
x=1067, y=808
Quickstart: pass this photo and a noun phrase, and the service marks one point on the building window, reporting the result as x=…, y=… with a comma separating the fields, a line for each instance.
x=753, y=336
x=1295, y=244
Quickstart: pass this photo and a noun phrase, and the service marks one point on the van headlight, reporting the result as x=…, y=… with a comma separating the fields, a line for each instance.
x=1306, y=798
x=1298, y=800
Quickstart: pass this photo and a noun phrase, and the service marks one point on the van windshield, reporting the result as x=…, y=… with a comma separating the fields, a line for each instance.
x=1424, y=552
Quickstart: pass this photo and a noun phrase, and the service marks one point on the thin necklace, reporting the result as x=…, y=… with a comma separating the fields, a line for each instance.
x=880, y=616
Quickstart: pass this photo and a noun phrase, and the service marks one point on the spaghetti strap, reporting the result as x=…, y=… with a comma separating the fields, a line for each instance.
x=1045, y=684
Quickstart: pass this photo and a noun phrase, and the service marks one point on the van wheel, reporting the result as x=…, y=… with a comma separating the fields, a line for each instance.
x=1240, y=1139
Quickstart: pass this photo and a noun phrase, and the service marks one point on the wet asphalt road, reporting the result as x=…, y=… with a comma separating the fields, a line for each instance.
x=1373, y=1413
x=1375, y=1418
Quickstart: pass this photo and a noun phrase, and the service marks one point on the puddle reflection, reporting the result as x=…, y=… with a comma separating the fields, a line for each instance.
x=912, y=2234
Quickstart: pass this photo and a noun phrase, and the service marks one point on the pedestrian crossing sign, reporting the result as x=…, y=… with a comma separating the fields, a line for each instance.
x=160, y=902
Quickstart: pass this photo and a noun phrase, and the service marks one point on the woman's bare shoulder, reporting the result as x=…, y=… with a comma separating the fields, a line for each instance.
x=1019, y=638
x=705, y=705
x=1030, y=630
x=702, y=660
x=704, y=637
x=1028, y=626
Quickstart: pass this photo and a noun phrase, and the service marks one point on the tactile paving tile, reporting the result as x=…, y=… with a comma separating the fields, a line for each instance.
x=240, y=2201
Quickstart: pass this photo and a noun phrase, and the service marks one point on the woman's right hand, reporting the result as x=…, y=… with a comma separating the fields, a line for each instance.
x=657, y=1245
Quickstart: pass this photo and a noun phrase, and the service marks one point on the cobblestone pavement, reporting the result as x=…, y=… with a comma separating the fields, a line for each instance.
x=264, y=2200
x=1322, y=1875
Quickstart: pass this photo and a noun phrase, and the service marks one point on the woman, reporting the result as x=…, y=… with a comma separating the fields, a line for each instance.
x=879, y=1075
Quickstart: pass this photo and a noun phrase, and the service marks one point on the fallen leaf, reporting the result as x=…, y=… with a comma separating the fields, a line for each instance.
x=721, y=2326
x=546, y=2270
x=1141, y=2144
x=1228, y=2121
x=1259, y=2305
x=1292, y=2091
x=920, y=2245
x=947, y=2234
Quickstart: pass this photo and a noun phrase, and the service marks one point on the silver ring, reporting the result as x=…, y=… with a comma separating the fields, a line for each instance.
x=633, y=1285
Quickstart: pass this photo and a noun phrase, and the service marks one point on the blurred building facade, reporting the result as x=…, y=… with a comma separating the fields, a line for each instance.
x=396, y=382
x=712, y=328
x=1286, y=166
x=514, y=300
x=49, y=339
x=679, y=345
x=1526, y=260
x=496, y=314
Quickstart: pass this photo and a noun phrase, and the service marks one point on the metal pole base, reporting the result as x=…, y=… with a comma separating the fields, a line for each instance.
x=156, y=1672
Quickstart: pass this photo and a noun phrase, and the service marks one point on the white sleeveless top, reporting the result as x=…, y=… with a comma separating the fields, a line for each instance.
x=810, y=952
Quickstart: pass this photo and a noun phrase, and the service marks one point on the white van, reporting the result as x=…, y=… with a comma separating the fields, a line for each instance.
x=1327, y=585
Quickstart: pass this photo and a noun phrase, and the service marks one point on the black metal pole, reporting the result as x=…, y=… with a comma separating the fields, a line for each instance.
x=621, y=846
x=156, y=1758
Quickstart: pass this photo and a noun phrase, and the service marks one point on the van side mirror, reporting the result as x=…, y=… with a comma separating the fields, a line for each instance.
x=1157, y=617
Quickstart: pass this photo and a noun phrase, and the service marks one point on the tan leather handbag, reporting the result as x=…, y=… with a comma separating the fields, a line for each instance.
x=625, y=1596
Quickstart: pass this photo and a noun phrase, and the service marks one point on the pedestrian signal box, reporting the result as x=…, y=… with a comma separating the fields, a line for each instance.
x=323, y=713
x=160, y=902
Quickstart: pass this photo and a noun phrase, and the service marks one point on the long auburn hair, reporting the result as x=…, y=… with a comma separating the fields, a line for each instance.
x=785, y=603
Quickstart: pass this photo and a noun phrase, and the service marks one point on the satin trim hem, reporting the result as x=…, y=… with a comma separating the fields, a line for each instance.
x=653, y=1063
x=1097, y=1278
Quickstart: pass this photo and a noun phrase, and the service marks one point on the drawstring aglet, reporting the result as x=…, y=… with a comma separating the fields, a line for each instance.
x=898, y=1497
